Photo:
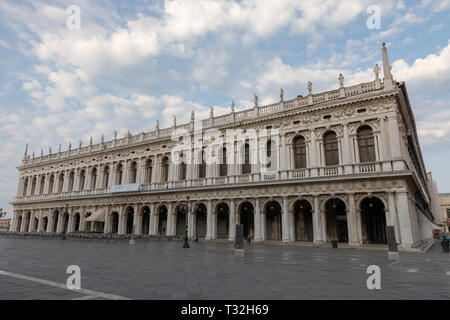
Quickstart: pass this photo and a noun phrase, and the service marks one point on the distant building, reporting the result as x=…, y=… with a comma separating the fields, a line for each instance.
x=5, y=224
x=347, y=164
x=445, y=210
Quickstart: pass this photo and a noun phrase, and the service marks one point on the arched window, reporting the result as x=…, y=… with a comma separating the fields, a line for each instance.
x=165, y=169
x=41, y=187
x=182, y=175
x=82, y=180
x=93, y=178
x=51, y=184
x=33, y=186
x=60, y=182
x=71, y=180
x=299, y=153
x=331, y=149
x=202, y=166
x=223, y=169
x=246, y=167
x=133, y=172
x=25, y=187
x=366, y=144
x=149, y=170
x=119, y=174
x=106, y=177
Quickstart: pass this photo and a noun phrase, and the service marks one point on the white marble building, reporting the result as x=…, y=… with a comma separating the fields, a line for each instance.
x=348, y=163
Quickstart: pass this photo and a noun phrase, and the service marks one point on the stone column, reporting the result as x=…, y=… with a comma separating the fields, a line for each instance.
x=191, y=220
x=283, y=159
x=30, y=223
x=346, y=151
x=209, y=221
x=121, y=220
x=107, y=226
x=257, y=221
x=136, y=219
x=152, y=220
x=395, y=142
x=404, y=220
x=352, y=222
x=285, y=220
x=60, y=220
x=391, y=215
x=318, y=227
x=232, y=221
x=71, y=220
x=50, y=221
x=263, y=225
x=313, y=154
x=170, y=218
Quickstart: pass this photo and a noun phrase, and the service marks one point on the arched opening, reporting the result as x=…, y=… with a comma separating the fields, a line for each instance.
x=44, y=224
x=93, y=178
x=55, y=221
x=246, y=167
x=119, y=173
x=200, y=220
x=28, y=221
x=106, y=177
x=223, y=213
x=25, y=187
x=331, y=148
x=129, y=219
x=273, y=221
x=180, y=221
x=303, y=221
x=271, y=153
x=145, y=223
x=19, y=224
x=35, y=225
x=88, y=224
x=51, y=183
x=223, y=167
x=115, y=222
x=133, y=172
x=65, y=222
x=366, y=144
x=202, y=166
x=182, y=174
x=299, y=145
x=162, y=220
x=148, y=171
x=246, y=218
x=165, y=169
x=82, y=180
x=60, y=182
x=33, y=186
x=336, y=220
x=41, y=186
x=373, y=221
x=71, y=180
x=77, y=219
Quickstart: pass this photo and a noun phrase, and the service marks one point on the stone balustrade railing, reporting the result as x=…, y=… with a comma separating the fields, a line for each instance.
x=294, y=174
x=215, y=121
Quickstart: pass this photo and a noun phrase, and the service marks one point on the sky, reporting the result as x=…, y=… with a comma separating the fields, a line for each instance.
x=127, y=64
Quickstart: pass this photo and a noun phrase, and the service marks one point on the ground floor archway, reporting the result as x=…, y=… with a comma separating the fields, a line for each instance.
x=180, y=221
x=162, y=220
x=273, y=221
x=336, y=220
x=115, y=222
x=373, y=221
x=246, y=218
x=223, y=221
x=129, y=220
x=200, y=221
x=55, y=221
x=145, y=223
x=303, y=224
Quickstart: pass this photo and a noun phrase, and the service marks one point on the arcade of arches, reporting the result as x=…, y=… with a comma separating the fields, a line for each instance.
x=310, y=218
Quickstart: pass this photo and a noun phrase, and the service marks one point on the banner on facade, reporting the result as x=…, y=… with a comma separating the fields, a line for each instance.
x=125, y=187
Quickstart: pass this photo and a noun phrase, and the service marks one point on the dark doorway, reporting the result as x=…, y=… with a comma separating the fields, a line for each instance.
x=373, y=221
x=303, y=221
x=273, y=221
x=336, y=217
x=246, y=212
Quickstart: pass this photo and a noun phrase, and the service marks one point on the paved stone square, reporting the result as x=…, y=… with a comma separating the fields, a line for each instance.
x=36, y=269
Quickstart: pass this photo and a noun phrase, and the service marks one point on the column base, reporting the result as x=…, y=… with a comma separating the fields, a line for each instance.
x=355, y=243
x=393, y=256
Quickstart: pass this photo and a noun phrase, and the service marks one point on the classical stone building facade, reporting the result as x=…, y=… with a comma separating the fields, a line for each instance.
x=348, y=164
x=445, y=210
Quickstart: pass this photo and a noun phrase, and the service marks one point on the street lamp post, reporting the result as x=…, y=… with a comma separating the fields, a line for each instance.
x=186, y=209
